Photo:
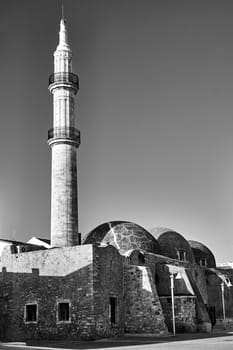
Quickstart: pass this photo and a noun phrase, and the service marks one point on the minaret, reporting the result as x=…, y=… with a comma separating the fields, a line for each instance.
x=64, y=139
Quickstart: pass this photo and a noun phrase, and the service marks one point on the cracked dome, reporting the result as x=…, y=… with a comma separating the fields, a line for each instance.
x=124, y=236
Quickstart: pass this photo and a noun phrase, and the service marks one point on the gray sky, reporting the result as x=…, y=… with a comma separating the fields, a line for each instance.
x=155, y=110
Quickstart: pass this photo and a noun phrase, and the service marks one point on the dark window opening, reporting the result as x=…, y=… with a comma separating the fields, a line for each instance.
x=113, y=309
x=31, y=313
x=156, y=278
x=141, y=258
x=203, y=262
x=181, y=255
x=63, y=312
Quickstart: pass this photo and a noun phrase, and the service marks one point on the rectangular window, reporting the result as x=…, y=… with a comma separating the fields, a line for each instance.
x=181, y=255
x=203, y=262
x=113, y=310
x=30, y=313
x=63, y=312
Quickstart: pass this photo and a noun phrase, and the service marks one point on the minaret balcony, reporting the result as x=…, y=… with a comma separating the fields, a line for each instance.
x=64, y=78
x=64, y=134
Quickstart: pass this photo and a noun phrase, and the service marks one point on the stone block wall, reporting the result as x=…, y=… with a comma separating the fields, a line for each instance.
x=160, y=273
x=107, y=284
x=50, y=262
x=64, y=203
x=215, y=295
x=29, y=278
x=202, y=317
x=185, y=313
x=143, y=312
x=197, y=278
x=198, y=274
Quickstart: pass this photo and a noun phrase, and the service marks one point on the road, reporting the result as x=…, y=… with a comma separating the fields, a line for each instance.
x=214, y=343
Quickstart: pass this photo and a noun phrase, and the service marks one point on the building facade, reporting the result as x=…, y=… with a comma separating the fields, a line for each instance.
x=118, y=279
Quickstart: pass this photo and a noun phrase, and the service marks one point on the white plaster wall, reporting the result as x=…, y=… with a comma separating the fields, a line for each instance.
x=50, y=262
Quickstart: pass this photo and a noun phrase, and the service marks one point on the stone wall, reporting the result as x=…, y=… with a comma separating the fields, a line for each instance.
x=196, y=275
x=185, y=313
x=50, y=262
x=108, y=283
x=29, y=278
x=143, y=312
x=108, y=293
x=172, y=242
x=64, y=205
x=215, y=295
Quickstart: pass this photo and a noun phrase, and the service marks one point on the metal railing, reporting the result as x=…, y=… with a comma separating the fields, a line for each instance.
x=64, y=77
x=68, y=133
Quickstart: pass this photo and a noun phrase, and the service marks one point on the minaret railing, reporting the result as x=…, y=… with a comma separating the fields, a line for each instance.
x=64, y=77
x=68, y=133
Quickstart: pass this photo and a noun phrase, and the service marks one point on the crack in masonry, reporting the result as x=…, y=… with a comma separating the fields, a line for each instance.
x=114, y=236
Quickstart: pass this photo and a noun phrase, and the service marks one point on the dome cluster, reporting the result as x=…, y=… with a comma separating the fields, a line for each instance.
x=127, y=236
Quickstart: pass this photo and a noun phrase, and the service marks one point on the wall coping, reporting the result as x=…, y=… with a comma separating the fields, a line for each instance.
x=178, y=296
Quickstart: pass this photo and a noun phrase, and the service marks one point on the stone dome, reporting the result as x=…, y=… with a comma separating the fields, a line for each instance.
x=124, y=236
x=202, y=254
x=173, y=245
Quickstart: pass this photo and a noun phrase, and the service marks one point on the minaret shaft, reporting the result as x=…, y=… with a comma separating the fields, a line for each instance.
x=63, y=108
x=64, y=206
x=64, y=140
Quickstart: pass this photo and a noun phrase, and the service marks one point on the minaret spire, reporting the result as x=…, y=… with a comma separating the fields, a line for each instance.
x=63, y=35
x=64, y=139
x=62, y=12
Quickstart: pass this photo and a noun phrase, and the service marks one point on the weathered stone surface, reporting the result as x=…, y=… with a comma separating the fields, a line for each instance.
x=143, y=312
x=124, y=236
x=185, y=313
x=172, y=242
x=49, y=282
x=84, y=277
x=107, y=283
x=196, y=275
x=64, y=200
x=201, y=252
x=64, y=197
x=92, y=278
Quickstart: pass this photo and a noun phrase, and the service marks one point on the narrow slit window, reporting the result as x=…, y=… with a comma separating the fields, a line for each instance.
x=113, y=310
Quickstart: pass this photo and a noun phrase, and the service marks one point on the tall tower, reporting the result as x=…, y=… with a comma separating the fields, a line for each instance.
x=64, y=139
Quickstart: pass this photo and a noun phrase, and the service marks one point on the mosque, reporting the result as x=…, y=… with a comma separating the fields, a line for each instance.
x=118, y=279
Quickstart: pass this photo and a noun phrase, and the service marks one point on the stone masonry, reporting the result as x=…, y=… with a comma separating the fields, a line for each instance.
x=143, y=312
x=45, y=278
x=64, y=140
x=185, y=313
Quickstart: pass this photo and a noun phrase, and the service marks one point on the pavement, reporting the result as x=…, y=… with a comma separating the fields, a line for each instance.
x=218, y=339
